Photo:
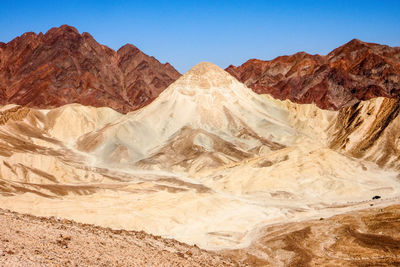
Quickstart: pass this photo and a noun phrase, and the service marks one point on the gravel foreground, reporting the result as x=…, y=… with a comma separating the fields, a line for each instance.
x=27, y=240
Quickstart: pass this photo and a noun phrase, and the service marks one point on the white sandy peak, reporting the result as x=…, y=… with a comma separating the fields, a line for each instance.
x=205, y=75
x=204, y=67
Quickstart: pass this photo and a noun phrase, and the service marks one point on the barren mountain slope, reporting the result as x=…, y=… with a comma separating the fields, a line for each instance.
x=205, y=116
x=64, y=66
x=355, y=71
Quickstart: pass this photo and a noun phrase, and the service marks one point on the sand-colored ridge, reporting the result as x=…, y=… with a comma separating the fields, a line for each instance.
x=226, y=109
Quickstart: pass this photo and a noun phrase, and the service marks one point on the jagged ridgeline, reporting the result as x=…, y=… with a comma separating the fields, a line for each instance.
x=63, y=66
x=350, y=73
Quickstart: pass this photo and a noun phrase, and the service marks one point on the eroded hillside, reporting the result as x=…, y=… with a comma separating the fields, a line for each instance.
x=209, y=162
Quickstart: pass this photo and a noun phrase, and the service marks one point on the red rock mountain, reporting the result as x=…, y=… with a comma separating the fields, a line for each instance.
x=64, y=66
x=355, y=71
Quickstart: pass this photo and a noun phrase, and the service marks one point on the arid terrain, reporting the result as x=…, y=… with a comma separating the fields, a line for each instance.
x=239, y=177
x=368, y=237
x=31, y=241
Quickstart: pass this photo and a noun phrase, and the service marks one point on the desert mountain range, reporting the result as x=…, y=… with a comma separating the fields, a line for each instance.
x=355, y=71
x=63, y=66
x=208, y=162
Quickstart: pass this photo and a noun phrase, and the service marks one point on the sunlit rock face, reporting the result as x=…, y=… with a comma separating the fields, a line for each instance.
x=63, y=66
x=355, y=71
x=209, y=162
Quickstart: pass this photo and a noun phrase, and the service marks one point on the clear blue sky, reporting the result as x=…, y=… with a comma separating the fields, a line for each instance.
x=223, y=32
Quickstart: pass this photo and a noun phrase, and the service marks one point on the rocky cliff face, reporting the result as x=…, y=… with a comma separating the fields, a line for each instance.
x=64, y=66
x=355, y=71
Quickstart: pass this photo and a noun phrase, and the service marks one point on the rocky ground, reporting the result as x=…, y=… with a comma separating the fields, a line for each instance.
x=369, y=237
x=37, y=241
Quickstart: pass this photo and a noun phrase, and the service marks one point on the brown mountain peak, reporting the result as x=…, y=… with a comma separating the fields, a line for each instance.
x=87, y=35
x=351, y=46
x=62, y=30
x=128, y=49
x=354, y=41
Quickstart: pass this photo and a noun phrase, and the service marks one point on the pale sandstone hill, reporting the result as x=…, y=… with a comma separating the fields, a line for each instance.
x=209, y=162
x=35, y=146
x=367, y=130
x=205, y=117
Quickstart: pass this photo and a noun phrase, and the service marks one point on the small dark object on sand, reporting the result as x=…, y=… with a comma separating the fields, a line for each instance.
x=376, y=197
